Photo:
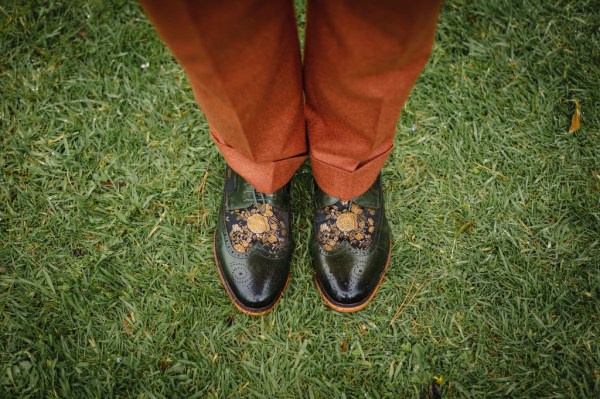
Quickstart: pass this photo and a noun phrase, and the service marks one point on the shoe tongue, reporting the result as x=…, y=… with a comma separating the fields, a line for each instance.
x=322, y=199
x=369, y=199
x=242, y=195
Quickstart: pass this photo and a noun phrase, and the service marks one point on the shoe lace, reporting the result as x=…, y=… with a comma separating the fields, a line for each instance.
x=256, y=196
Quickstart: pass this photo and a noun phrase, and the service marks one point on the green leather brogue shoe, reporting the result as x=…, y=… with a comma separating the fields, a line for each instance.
x=253, y=244
x=350, y=247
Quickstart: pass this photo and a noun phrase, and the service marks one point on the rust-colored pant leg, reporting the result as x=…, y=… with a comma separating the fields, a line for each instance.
x=361, y=60
x=242, y=58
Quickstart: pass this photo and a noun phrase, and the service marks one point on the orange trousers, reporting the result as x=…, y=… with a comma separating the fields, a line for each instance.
x=267, y=113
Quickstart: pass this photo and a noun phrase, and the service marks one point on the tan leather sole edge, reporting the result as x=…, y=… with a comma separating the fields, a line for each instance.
x=236, y=301
x=349, y=308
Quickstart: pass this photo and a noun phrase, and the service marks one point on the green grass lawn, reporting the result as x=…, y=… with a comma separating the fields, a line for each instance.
x=109, y=189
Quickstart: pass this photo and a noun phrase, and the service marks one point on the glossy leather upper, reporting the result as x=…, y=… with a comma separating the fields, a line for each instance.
x=346, y=275
x=254, y=279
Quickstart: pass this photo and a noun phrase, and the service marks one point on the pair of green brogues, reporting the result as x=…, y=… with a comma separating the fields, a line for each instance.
x=350, y=246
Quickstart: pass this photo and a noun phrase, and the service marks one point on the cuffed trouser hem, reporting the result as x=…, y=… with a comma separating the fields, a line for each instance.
x=266, y=177
x=347, y=185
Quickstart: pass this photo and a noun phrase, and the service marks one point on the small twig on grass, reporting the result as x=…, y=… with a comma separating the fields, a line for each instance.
x=402, y=308
x=244, y=387
x=56, y=140
x=160, y=219
x=525, y=227
x=201, y=199
x=412, y=283
x=500, y=175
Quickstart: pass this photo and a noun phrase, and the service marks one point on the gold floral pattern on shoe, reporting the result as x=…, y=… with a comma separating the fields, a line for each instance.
x=346, y=221
x=258, y=223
